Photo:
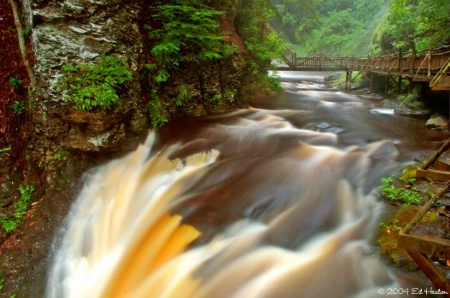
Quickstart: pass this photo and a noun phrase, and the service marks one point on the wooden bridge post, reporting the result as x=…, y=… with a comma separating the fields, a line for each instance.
x=386, y=85
x=410, y=85
x=347, y=78
x=371, y=82
x=294, y=60
x=430, y=50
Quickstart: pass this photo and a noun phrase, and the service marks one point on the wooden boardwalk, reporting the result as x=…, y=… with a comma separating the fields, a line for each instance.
x=431, y=66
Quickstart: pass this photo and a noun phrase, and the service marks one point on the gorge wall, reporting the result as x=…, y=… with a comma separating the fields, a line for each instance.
x=80, y=32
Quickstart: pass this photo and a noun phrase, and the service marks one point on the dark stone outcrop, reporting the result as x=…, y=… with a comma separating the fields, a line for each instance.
x=79, y=32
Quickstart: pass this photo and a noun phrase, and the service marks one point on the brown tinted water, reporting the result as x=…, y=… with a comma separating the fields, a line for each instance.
x=277, y=200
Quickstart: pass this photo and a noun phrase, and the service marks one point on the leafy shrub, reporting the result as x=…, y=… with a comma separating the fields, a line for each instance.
x=95, y=85
x=21, y=206
x=6, y=149
x=158, y=114
x=18, y=107
x=183, y=97
x=20, y=209
x=406, y=195
x=216, y=98
x=16, y=83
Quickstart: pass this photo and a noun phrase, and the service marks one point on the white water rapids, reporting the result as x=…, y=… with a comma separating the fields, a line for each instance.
x=251, y=207
x=276, y=201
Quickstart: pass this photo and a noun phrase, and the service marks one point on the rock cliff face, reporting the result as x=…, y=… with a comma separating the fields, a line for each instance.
x=80, y=32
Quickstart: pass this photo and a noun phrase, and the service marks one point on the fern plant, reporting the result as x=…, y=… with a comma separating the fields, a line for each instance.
x=95, y=85
x=20, y=209
x=189, y=32
x=158, y=113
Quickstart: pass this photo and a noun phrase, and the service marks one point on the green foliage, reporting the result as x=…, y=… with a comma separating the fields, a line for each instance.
x=406, y=195
x=333, y=28
x=124, y=15
x=26, y=31
x=216, y=98
x=340, y=81
x=162, y=76
x=392, y=226
x=263, y=44
x=158, y=113
x=18, y=107
x=16, y=83
x=229, y=94
x=151, y=66
x=183, y=97
x=6, y=149
x=20, y=209
x=21, y=206
x=9, y=224
x=61, y=153
x=189, y=32
x=411, y=101
x=269, y=83
x=415, y=24
x=96, y=85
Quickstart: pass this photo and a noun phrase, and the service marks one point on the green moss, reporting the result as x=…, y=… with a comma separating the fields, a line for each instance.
x=389, y=231
x=388, y=236
x=408, y=173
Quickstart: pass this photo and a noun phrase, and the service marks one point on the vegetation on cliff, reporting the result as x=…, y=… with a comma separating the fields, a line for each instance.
x=96, y=85
x=193, y=34
x=413, y=25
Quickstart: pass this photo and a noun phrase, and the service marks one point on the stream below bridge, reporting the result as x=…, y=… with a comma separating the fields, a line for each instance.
x=277, y=200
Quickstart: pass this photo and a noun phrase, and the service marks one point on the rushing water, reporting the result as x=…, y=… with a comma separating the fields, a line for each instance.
x=278, y=200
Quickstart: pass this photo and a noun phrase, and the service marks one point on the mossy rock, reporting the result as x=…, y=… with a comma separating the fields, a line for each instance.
x=389, y=231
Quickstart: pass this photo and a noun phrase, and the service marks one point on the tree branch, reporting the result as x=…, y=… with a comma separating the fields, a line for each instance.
x=23, y=49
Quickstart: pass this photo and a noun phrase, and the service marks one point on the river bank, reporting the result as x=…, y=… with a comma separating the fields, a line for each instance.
x=398, y=191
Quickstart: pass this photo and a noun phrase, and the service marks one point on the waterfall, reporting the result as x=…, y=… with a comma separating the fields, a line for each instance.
x=249, y=207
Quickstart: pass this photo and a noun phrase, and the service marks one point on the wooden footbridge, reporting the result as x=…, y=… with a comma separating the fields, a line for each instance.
x=432, y=66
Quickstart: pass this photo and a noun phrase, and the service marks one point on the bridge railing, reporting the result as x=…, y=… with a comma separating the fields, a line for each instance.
x=289, y=57
x=322, y=62
x=418, y=63
x=412, y=62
